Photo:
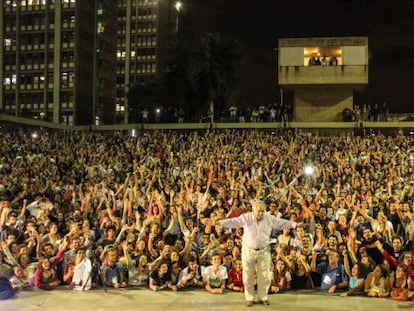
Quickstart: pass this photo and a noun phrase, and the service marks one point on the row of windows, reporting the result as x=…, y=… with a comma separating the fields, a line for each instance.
x=32, y=40
x=34, y=87
x=30, y=3
x=37, y=105
x=28, y=28
x=35, y=19
x=151, y=17
x=33, y=103
x=35, y=81
x=38, y=21
x=67, y=119
x=36, y=100
x=24, y=40
x=122, y=31
x=118, y=107
x=38, y=59
x=139, y=25
x=122, y=3
x=148, y=68
x=34, y=66
x=139, y=56
x=38, y=47
x=23, y=3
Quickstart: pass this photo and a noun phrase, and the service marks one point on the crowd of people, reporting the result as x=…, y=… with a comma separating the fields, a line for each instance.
x=90, y=209
x=367, y=112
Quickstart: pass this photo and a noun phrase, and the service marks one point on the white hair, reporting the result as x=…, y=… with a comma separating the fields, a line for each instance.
x=258, y=204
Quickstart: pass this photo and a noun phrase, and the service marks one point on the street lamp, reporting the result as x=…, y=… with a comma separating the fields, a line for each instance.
x=178, y=5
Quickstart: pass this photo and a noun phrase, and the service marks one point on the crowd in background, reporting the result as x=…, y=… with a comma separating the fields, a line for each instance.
x=275, y=112
x=87, y=209
x=367, y=112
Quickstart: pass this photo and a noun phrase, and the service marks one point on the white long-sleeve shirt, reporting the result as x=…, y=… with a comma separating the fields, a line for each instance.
x=256, y=234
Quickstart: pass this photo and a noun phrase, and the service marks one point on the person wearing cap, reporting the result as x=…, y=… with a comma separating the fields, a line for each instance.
x=257, y=227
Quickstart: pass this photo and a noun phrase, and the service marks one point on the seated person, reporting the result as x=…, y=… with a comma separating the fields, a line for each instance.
x=81, y=278
x=215, y=275
x=45, y=276
x=160, y=278
x=280, y=277
x=138, y=270
x=377, y=283
x=112, y=271
x=401, y=284
x=20, y=279
x=356, y=276
x=332, y=272
x=235, y=282
x=191, y=276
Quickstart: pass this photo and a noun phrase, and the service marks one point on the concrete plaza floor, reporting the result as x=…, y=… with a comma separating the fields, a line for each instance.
x=142, y=299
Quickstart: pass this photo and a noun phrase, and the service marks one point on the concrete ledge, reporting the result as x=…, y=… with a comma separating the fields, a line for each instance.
x=204, y=126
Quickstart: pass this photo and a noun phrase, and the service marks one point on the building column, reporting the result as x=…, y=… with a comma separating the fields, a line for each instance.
x=46, y=57
x=56, y=62
x=128, y=56
x=1, y=60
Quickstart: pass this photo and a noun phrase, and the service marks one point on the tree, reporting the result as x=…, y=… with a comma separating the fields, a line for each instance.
x=175, y=85
x=144, y=94
x=215, y=71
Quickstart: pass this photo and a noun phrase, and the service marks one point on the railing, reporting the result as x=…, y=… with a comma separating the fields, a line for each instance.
x=217, y=125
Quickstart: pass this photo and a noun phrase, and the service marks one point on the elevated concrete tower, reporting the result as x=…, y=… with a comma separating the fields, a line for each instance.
x=323, y=74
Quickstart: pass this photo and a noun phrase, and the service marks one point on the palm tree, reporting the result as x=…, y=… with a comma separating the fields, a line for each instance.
x=144, y=94
x=216, y=70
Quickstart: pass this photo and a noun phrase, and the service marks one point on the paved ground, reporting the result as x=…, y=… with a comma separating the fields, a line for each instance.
x=123, y=300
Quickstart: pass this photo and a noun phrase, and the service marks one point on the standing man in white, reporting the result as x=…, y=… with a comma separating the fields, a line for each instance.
x=257, y=226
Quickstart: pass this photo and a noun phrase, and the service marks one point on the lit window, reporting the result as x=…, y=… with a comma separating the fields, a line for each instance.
x=100, y=27
x=7, y=42
x=322, y=56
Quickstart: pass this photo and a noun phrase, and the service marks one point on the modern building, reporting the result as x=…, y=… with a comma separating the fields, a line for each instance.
x=72, y=61
x=47, y=52
x=143, y=37
x=323, y=74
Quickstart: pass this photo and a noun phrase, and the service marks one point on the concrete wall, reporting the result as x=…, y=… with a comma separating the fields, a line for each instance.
x=321, y=103
x=296, y=75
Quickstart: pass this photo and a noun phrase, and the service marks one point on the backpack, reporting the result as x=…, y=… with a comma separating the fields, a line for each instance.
x=6, y=290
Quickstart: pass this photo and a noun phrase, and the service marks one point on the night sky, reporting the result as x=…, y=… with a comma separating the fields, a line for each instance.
x=258, y=24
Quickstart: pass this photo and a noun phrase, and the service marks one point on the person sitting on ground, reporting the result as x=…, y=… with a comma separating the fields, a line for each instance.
x=377, y=283
x=235, y=282
x=45, y=275
x=281, y=277
x=191, y=276
x=82, y=269
x=215, y=275
x=332, y=273
x=402, y=284
x=113, y=271
x=20, y=279
x=160, y=278
x=138, y=271
x=356, y=276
